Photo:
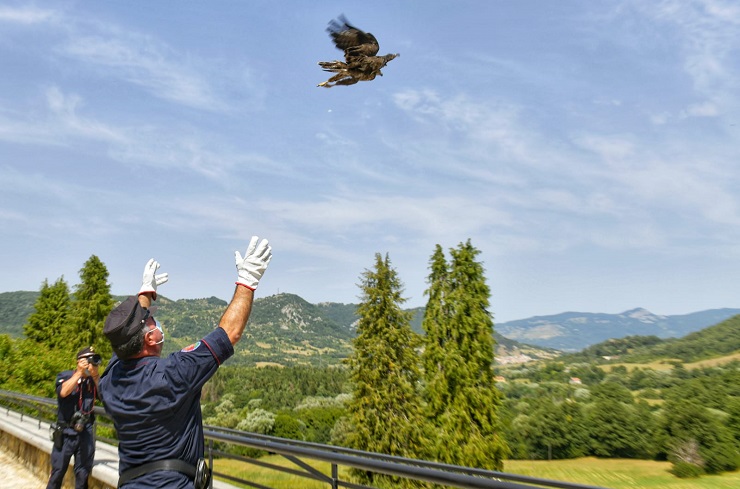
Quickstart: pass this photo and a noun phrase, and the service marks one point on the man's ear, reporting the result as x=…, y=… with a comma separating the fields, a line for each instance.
x=148, y=340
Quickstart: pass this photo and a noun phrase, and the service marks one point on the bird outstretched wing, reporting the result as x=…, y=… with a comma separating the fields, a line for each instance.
x=353, y=41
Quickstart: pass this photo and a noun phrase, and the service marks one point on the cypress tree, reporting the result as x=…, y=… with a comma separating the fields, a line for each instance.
x=459, y=354
x=435, y=325
x=48, y=323
x=91, y=305
x=385, y=411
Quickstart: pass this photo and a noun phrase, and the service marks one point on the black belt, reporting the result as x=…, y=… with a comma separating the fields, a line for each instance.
x=169, y=464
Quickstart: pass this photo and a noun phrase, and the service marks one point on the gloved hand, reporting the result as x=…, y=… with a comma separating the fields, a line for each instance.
x=150, y=281
x=254, y=263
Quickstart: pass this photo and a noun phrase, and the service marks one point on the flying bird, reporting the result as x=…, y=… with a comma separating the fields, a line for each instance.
x=361, y=62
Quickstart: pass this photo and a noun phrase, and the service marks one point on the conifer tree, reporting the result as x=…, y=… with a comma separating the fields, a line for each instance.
x=435, y=325
x=50, y=319
x=91, y=305
x=385, y=411
x=459, y=353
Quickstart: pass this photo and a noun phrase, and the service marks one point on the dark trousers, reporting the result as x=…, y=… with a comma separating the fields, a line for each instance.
x=82, y=446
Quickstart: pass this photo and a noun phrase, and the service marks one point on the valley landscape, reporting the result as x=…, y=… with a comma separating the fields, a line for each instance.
x=596, y=411
x=287, y=330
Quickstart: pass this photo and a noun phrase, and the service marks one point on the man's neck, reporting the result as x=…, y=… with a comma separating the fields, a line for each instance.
x=149, y=351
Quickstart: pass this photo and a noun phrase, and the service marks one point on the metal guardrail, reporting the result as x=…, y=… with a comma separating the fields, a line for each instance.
x=299, y=452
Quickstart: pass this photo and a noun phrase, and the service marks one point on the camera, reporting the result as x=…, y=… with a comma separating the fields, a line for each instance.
x=93, y=359
x=79, y=421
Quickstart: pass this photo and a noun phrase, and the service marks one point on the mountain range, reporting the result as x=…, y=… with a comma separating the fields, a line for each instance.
x=286, y=329
x=574, y=331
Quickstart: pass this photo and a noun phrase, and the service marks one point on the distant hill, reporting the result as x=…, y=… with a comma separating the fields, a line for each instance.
x=284, y=328
x=574, y=331
x=715, y=341
x=15, y=307
x=718, y=343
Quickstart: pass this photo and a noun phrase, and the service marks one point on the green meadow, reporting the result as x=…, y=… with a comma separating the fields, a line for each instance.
x=607, y=473
x=618, y=474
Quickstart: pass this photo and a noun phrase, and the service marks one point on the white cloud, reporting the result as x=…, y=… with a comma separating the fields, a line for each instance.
x=66, y=122
x=709, y=38
x=59, y=125
x=64, y=108
x=26, y=15
x=706, y=109
x=480, y=131
x=143, y=61
x=608, y=148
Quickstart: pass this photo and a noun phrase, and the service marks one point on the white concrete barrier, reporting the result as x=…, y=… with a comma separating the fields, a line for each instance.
x=28, y=439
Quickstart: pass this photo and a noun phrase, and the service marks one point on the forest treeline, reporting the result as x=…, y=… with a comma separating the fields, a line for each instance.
x=550, y=410
x=437, y=395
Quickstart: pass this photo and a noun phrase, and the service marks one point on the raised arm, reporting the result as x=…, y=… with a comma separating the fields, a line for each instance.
x=250, y=269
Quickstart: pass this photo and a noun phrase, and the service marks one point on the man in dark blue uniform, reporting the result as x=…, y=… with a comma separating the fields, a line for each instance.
x=76, y=393
x=155, y=402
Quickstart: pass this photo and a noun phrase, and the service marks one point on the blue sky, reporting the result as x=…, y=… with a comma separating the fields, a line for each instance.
x=589, y=150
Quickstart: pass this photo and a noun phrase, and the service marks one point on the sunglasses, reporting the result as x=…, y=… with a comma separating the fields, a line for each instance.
x=157, y=325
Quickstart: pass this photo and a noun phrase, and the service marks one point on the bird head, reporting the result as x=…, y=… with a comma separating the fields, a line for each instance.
x=389, y=57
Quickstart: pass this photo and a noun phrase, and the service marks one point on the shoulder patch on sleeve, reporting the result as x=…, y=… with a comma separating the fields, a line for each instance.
x=192, y=347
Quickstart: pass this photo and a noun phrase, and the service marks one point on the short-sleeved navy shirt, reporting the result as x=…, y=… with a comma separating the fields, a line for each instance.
x=155, y=406
x=82, y=399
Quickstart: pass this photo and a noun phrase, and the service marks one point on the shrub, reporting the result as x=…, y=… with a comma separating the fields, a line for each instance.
x=686, y=470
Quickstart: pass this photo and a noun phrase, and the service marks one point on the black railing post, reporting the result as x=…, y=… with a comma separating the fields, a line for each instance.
x=334, y=476
x=210, y=462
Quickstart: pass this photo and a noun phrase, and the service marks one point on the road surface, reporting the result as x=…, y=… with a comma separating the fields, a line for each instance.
x=16, y=475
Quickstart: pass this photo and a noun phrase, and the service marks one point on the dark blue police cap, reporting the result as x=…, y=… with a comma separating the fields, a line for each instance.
x=90, y=354
x=125, y=321
x=86, y=352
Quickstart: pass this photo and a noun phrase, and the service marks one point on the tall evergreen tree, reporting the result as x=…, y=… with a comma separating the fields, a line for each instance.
x=50, y=320
x=385, y=411
x=91, y=305
x=462, y=396
x=436, y=324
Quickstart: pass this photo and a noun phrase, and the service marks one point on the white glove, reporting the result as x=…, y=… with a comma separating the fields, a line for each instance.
x=150, y=281
x=254, y=263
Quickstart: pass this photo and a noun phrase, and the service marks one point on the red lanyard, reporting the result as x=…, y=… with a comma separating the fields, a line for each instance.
x=79, y=402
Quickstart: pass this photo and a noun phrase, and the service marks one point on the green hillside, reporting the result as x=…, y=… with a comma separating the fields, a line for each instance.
x=283, y=329
x=714, y=341
x=15, y=307
x=720, y=340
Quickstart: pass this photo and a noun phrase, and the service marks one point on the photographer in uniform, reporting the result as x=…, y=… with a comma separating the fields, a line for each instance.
x=76, y=393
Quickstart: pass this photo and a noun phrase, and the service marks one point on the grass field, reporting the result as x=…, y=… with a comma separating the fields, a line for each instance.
x=607, y=473
x=618, y=474
x=665, y=364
